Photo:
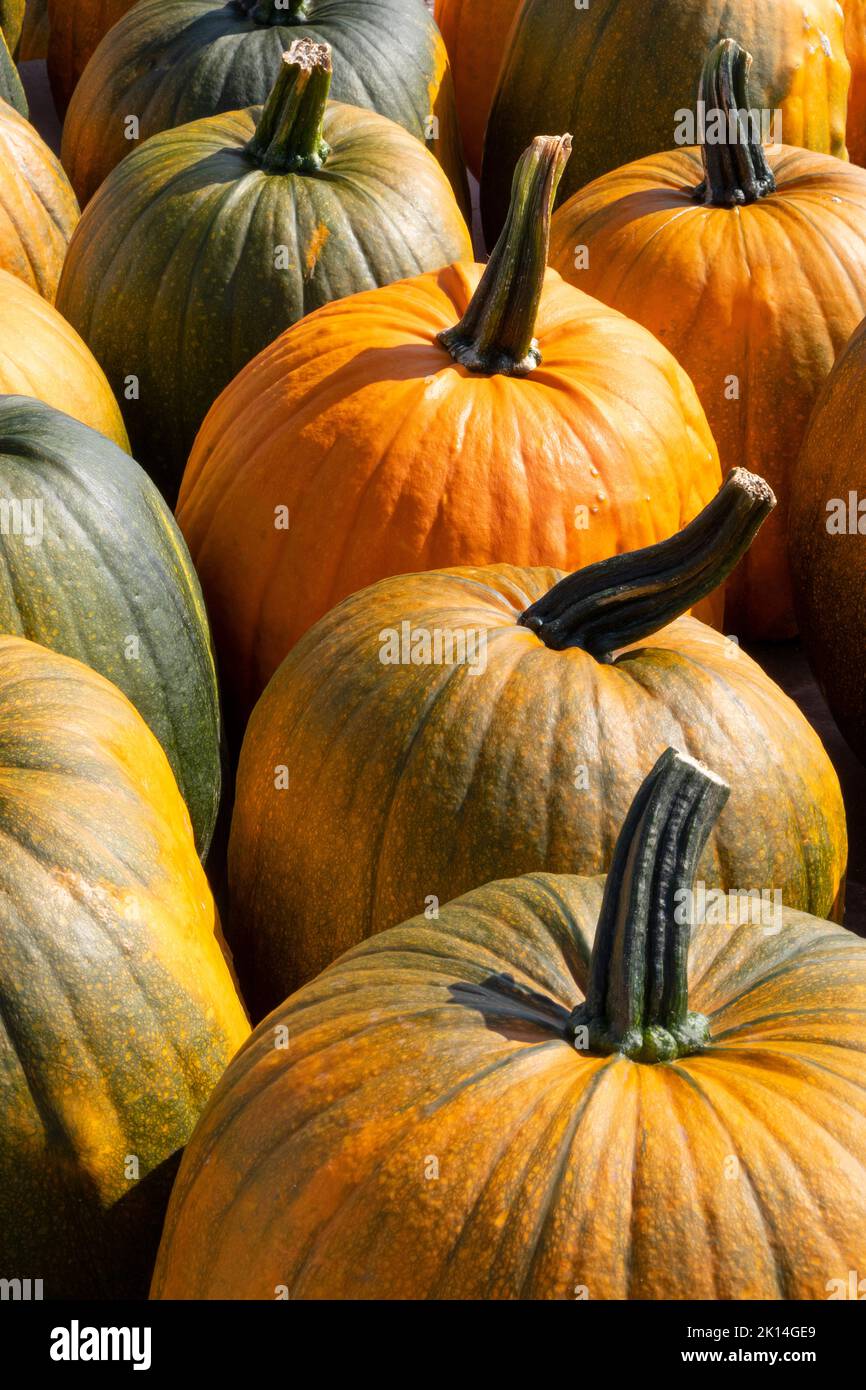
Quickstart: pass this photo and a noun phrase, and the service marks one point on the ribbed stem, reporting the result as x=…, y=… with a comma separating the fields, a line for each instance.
x=274, y=11
x=496, y=334
x=288, y=136
x=618, y=601
x=735, y=169
x=637, y=1000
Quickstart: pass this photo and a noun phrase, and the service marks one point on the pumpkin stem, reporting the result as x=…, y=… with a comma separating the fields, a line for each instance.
x=274, y=11
x=615, y=602
x=637, y=1000
x=735, y=169
x=288, y=136
x=495, y=335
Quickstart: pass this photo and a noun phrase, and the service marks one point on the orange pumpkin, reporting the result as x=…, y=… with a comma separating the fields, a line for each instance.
x=476, y=36
x=41, y=356
x=549, y=1093
x=38, y=209
x=443, y=730
x=375, y=437
x=74, y=35
x=855, y=47
x=33, y=43
x=753, y=276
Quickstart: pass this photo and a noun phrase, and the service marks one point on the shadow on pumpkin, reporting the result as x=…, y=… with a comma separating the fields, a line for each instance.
x=511, y=1009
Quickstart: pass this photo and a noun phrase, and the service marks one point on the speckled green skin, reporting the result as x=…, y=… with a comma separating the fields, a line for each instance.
x=173, y=275
x=112, y=564
x=171, y=61
x=10, y=83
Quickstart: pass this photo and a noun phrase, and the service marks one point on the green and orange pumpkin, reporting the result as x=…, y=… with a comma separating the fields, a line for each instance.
x=119, y=1008
x=38, y=209
x=209, y=240
x=462, y=417
x=11, y=90
x=169, y=62
x=97, y=569
x=559, y=1089
x=438, y=731
x=749, y=264
x=75, y=33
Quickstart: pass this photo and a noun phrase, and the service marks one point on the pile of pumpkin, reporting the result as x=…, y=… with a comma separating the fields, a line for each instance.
x=481, y=1068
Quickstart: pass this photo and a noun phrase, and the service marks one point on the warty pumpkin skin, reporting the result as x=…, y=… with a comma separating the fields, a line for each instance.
x=763, y=292
x=104, y=576
x=828, y=542
x=476, y=35
x=582, y=1137
x=34, y=31
x=209, y=240
x=618, y=72
x=76, y=30
x=42, y=356
x=174, y=61
x=119, y=1010
x=38, y=209
x=395, y=438
x=370, y=786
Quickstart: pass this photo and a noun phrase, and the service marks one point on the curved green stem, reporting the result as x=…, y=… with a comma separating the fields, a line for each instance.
x=288, y=136
x=496, y=334
x=735, y=168
x=615, y=602
x=273, y=12
x=637, y=999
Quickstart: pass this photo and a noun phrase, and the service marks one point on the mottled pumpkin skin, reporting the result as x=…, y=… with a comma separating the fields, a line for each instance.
x=767, y=293
x=557, y=1171
x=475, y=34
x=33, y=43
x=173, y=276
x=38, y=209
x=173, y=61
x=391, y=458
x=829, y=568
x=76, y=30
x=631, y=66
x=42, y=356
x=410, y=781
x=111, y=566
x=119, y=1009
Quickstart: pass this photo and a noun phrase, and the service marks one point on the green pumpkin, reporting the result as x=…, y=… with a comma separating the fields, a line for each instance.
x=99, y=563
x=210, y=240
x=11, y=21
x=11, y=89
x=173, y=61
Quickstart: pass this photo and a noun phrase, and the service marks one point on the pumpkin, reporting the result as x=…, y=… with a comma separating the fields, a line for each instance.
x=76, y=31
x=11, y=21
x=750, y=266
x=41, y=356
x=93, y=565
x=560, y=1089
x=172, y=61
x=476, y=36
x=33, y=43
x=622, y=73
x=209, y=240
x=38, y=209
x=438, y=731
x=461, y=417
x=11, y=90
x=827, y=546
x=119, y=1009
x=855, y=47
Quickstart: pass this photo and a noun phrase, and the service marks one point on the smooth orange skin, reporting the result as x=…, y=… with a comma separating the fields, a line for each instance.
x=42, y=356
x=476, y=36
x=430, y=1133
x=38, y=209
x=769, y=293
x=829, y=567
x=75, y=33
x=390, y=458
x=407, y=781
x=120, y=1011
x=855, y=47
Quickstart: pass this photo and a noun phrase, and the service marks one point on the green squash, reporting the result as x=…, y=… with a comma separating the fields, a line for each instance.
x=172, y=61
x=93, y=566
x=210, y=240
